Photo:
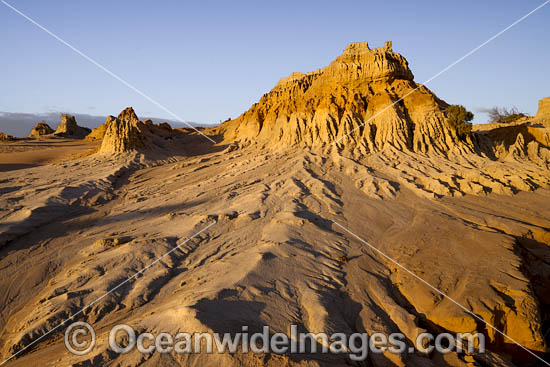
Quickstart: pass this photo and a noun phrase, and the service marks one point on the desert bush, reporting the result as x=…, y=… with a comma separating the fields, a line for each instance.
x=505, y=115
x=458, y=118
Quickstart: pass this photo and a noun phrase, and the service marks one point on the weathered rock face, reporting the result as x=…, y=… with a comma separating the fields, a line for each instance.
x=5, y=137
x=543, y=114
x=350, y=102
x=127, y=133
x=99, y=132
x=367, y=105
x=41, y=129
x=123, y=134
x=69, y=128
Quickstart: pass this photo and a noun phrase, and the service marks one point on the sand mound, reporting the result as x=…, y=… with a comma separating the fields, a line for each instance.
x=41, y=129
x=164, y=125
x=351, y=103
x=484, y=128
x=68, y=128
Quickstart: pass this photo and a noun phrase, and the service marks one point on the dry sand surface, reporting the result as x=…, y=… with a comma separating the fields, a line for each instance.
x=274, y=257
x=27, y=153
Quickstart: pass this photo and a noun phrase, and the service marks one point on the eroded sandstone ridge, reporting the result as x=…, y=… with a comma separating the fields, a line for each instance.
x=99, y=132
x=5, y=137
x=69, y=128
x=543, y=114
x=127, y=133
x=525, y=140
x=350, y=102
x=123, y=133
x=41, y=129
x=366, y=105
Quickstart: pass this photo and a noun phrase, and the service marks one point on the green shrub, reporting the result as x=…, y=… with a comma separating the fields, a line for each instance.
x=458, y=118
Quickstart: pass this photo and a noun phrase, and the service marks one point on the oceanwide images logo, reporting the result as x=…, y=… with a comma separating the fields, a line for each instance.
x=80, y=339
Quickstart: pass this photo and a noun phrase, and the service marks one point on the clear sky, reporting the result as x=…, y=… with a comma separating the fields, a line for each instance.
x=209, y=60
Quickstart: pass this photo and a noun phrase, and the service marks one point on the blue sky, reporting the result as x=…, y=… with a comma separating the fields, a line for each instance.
x=209, y=60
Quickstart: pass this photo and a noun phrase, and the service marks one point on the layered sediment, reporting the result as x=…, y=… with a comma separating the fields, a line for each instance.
x=366, y=98
x=126, y=133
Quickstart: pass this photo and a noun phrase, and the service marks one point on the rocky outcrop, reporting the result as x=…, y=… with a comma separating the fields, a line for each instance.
x=99, y=132
x=5, y=137
x=41, y=129
x=517, y=141
x=485, y=128
x=68, y=128
x=367, y=105
x=543, y=114
x=365, y=99
x=126, y=133
x=123, y=134
x=164, y=125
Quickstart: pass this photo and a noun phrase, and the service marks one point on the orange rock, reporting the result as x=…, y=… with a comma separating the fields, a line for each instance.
x=543, y=114
x=41, y=129
x=355, y=101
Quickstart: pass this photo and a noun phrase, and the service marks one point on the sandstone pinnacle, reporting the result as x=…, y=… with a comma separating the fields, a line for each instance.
x=124, y=133
x=69, y=128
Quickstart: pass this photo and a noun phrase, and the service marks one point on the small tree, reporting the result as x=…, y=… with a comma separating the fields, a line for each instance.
x=458, y=118
x=505, y=115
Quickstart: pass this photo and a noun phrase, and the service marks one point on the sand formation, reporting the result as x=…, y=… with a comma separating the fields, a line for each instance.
x=99, y=132
x=283, y=173
x=124, y=133
x=69, y=128
x=41, y=129
x=366, y=105
x=366, y=102
x=348, y=102
x=543, y=114
x=127, y=133
x=5, y=137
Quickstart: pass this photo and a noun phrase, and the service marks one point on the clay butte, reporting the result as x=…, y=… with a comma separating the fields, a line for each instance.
x=366, y=98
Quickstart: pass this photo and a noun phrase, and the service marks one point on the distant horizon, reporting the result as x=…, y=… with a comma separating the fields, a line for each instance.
x=19, y=124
